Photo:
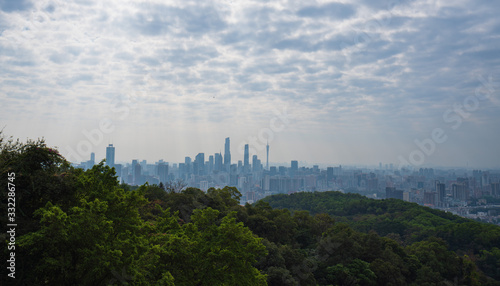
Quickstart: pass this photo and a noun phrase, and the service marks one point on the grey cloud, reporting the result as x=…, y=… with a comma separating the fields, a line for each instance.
x=188, y=57
x=153, y=25
x=157, y=20
x=271, y=68
x=485, y=55
x=333, y=10
x=21, y=63
x=70, y=81
x=15, y=5
x=60, y=58
x=92, y=61
x=385, y=5
x=150, y=61
x=202, y=21
x=215, y=76
x=257, y=86
x=50, y=8
x=124, y=56
x=295, y=44
x=74, y=50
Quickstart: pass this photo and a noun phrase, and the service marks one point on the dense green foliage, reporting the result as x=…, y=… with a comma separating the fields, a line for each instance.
x=80, y=227
x=407, y=223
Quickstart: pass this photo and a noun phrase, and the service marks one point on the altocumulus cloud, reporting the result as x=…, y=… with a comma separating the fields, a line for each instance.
x=364, y=77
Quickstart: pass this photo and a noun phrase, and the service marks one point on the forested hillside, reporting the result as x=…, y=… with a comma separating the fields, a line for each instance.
x=78, y=227
x=407, y=223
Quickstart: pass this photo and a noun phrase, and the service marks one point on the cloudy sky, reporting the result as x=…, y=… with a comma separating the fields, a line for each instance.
x=349, y=82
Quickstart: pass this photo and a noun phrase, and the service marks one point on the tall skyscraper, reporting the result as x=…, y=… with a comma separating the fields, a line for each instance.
x=162, y=171
x=227, y=155
x=441, y=192
x=218, y=162
x=329, y=173
x=137, y=174
x=91, y=162
x=495, y=189
x=240, y=166
x=187, y=162
x=110, y=156
x=210, y=165
x=199, y=164
x=459, y=192
x=294, y=168
x=273, y=171
x=267, y=159
x=255, y=164
x=246, y=160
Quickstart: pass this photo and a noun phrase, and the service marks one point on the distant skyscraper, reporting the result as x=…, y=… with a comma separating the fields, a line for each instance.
x=162, y=171
x=227, y=155
x=294, y=168
x=255, y=163
x=273, y=171
x=282, y=170
x=210, y=165
x=495, y=189
x=267, y=159
x=459, y=192
x=218, y=162
x=136, y=172
x=91, y=162
x=187, y=163
x=199, y=164
x=329, y=173
x=110, y=155
x=240, y=166
x=440, y=191
x=246, y=159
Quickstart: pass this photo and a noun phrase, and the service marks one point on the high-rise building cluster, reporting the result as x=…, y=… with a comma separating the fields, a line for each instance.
x=426, y=186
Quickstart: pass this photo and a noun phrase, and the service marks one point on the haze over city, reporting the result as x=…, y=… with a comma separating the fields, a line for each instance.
x=348, y=82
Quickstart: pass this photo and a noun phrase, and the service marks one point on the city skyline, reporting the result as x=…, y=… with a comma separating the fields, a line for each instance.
x=327, y=82
x=212, y=157
x=450, y=190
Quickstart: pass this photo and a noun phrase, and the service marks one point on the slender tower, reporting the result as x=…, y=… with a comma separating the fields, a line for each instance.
x=246, y=159
x=267, y=161
x=110, y=156
x=227, y=155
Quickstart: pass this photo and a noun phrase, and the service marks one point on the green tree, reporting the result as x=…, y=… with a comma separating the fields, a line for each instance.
x=209, y=251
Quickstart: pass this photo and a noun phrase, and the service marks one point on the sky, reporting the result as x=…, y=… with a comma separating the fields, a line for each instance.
x=414, y=83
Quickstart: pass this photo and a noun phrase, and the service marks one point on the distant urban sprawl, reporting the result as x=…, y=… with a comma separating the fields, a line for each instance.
x=469, y=193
